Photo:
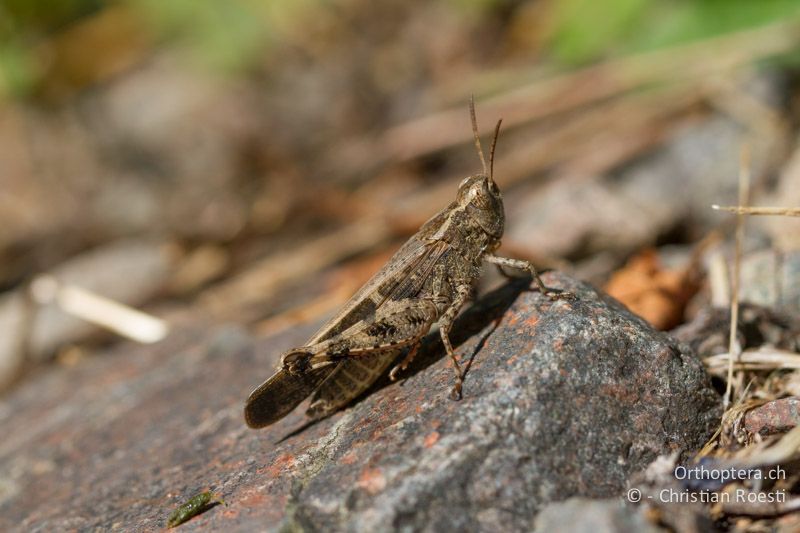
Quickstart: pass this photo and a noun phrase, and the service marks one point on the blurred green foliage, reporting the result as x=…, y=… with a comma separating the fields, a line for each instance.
x=29, y=17
x=225, y=35
x=233, y=34
x=23, y=23
x=17, y=74
x=585, y=30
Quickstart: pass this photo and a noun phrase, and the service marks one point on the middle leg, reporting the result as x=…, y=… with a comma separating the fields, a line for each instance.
x=463, y=292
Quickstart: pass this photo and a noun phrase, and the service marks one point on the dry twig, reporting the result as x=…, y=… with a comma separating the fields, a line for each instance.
x=744, y=193
x=766, y=211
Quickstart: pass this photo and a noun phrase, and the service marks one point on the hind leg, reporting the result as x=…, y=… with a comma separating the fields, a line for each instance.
x=402, y=365
x=397, y=325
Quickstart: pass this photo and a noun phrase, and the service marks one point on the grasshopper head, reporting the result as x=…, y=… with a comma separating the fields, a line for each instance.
x=479, y=195
x=480, y=198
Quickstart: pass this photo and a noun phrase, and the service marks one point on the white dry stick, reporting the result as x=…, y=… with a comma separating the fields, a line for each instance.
x=744, y=193
x=92, y=307
x=759, y=359
x=765, y=211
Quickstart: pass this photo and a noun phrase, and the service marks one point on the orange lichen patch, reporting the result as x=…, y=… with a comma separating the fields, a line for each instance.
x=372, y=480
x=623, y=394
x=652, y=292
x=431, y=439
x=230, y=513
x=363, y=424
x=348, y=458
x=386, y=419
x=532, y=321
x=253, y=498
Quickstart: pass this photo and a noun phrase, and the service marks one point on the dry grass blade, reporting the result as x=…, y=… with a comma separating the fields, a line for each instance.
x=594, y=84
x=761, y=359
x=765, y=509
x=767, y=453
x=730, y=419
x=628, y=126
x=785, y=449
x=765, y=211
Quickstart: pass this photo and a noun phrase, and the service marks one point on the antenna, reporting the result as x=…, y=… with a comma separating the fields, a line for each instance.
x=491, y=151
x=475, y=132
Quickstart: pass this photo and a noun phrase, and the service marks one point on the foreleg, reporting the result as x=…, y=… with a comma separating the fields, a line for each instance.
x=553, y=294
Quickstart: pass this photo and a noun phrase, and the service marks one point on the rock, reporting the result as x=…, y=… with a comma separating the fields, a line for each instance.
x=563, y=399
x=581, y=515
x=777, y=416
x=769, y=278
x=670, y=188
x=708, y=332
x=697, y=168
x=16, y=312
x=785, y=231
x=666, y=498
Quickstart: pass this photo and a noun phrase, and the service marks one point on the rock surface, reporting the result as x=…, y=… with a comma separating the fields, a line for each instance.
x=563, y=399
x=769, y=279
x=581, y=515
x=777, y=416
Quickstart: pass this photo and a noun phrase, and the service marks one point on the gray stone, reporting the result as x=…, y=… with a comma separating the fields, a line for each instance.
x=563, y=399
x=581, y=515
x=769, y=278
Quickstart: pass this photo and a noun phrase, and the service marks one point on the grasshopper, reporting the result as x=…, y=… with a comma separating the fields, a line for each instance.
x=428, y=280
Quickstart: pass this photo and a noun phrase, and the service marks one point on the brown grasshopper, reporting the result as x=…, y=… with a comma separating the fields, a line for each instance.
x=427, y=281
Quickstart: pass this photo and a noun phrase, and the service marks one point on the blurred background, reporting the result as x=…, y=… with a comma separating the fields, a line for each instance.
x=255, y=162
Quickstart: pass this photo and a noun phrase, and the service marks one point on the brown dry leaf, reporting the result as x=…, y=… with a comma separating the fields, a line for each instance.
x=652, y=292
